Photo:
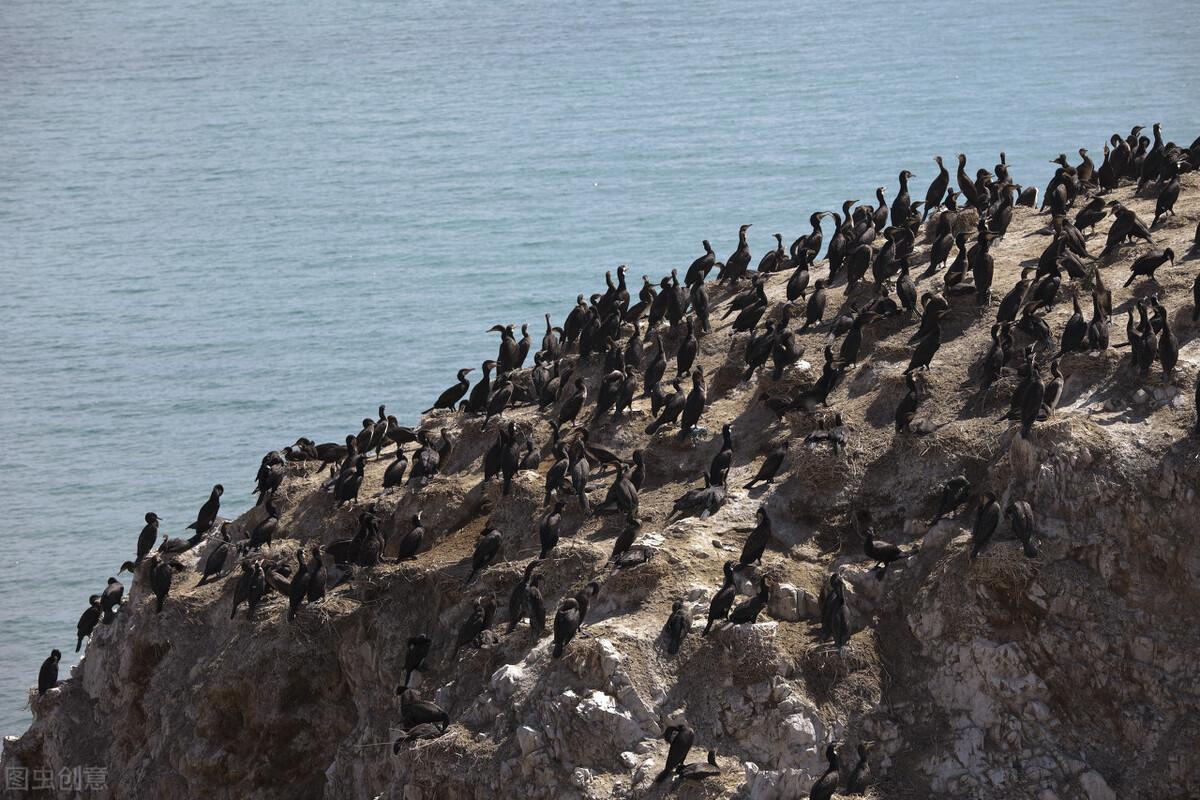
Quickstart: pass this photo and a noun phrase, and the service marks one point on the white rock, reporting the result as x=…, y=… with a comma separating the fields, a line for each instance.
x=528, y=739
x=610, y=658
x=629, y=759
x=1095, y=787
x=507, y=680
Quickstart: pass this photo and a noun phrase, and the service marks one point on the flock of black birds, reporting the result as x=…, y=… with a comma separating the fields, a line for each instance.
x=625, y=336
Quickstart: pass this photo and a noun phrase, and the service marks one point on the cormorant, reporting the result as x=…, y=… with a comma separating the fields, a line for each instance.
x=827, y=784
x=548, y=529
x=110, y=599
x=954, y=493
x=700, y=771
x=298, y=588
x=882, y=553
x=860, y=777
x=394, y=474
x=722, y=601
x=770, y=466
x=149, y=534
x=517, y=601
x=411, y=543
x=318, y=576
x=208, y=512
x=414, y=711
x=88, y=620
x=986, y=520
x=537, y=607
x=414, y=656
x=748, y=610
x=677, y=627
x=486, y=550
x=1148, y=263
x=737, y=264
x=449, y=398
x=681, y=738
x=756, y=543
x=479, y=621
x=1020, y=517
x=566, y=623
x=216, y=557
x=908, y=404
x=699, y=269
x=937, y=188
x=160, y=581
x=48, y=674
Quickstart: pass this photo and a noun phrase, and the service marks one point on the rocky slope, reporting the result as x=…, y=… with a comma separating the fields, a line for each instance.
x=1067, y=675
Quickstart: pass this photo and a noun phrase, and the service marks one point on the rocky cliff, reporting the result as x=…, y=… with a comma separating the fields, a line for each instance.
x=1071, y=674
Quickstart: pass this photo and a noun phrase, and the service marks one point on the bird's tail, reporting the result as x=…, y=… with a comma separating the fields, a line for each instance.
x=558, y=650
x=662, y=776
x=78, y=644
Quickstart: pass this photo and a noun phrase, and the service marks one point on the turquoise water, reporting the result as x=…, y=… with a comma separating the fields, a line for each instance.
x=224, y=225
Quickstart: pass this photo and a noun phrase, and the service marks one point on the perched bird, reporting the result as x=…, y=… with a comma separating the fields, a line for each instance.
x=681, y=738
x=48, y=674
x=827, y=784
x=987, y=518
x=88, y=620
x=486, y=549
x=677, y=627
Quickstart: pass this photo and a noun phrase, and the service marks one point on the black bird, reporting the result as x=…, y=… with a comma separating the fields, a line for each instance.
x=1020, y=517
x=954, y=493
x=677, y=627
x=737, y=264
x=88, y=620
x=700, y=770
x=394, y=474
x=216, y=557
x=693, y=407
x=161, y=576
x=908, y=404
x=747, y=611
x=48, y=674
x=770, y=466
x=486, y=550
x=681, y=738
x=518, y=601
x=548, y=529
x=264, y=532
x=479, y=621
x=414, y=656
x=241, y=588
x=149, y=534
x=827, y=784
x=110, y=599
x=925, y=350
x=298, y=588
x=718, y=607
x=537, y=607
x=1075, y=332
x=1148, y=263
x=882, y=553
x=937, y=188
x=860, y=777
x=412, y=540
x=987, y=518
x=756, y=543
x=699, y=269
x=566, y=624
x=318, y=576
x=414, y=711
x=208, y=511
x=815, y=308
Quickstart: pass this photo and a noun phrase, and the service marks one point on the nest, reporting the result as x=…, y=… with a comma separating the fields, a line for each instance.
x=1004, y=566
x=848, y=678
